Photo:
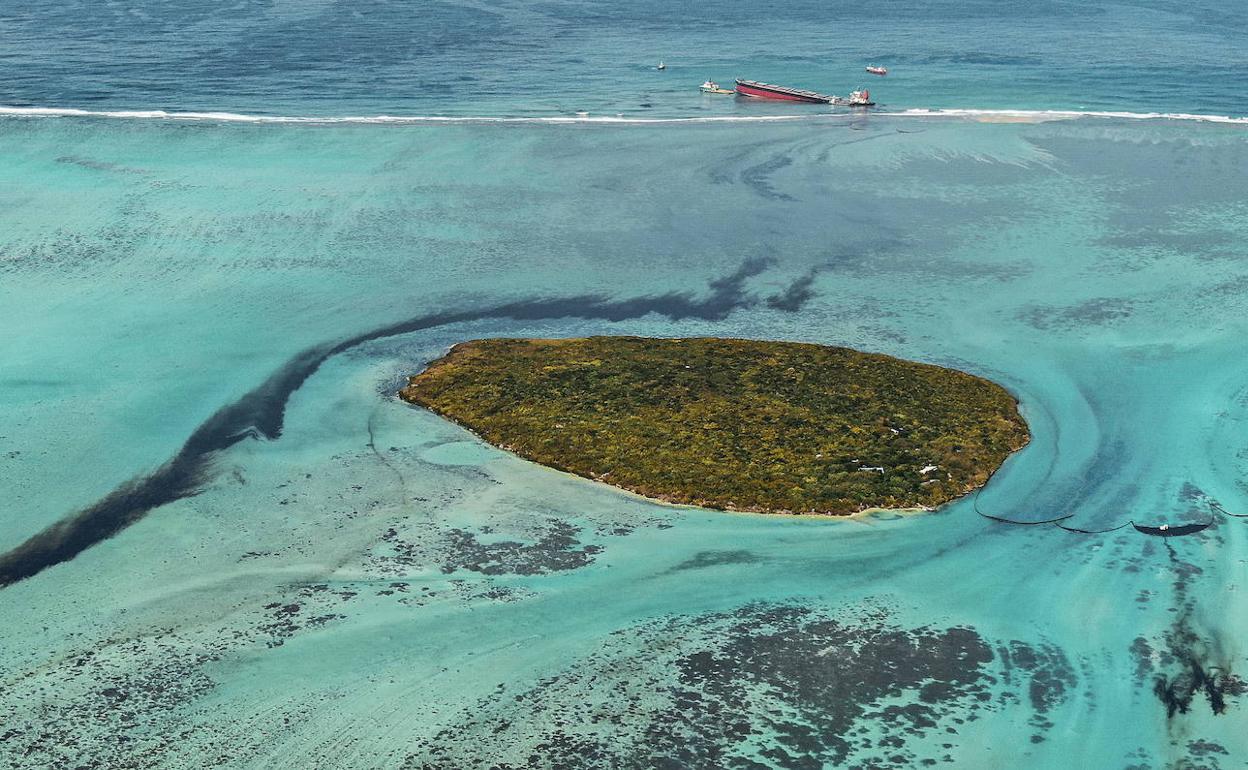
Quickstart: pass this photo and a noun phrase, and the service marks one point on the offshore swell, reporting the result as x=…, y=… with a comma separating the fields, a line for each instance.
x=618, y=119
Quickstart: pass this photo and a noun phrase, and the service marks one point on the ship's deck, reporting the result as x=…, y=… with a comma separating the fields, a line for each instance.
x=798, y=92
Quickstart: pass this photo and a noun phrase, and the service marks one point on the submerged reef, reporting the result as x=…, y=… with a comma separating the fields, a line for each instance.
x=747, y=425
x=762, y=686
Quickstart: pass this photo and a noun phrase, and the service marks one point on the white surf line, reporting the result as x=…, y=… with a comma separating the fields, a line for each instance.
x=232, y=117
x=979, y=114
x=1040, y=115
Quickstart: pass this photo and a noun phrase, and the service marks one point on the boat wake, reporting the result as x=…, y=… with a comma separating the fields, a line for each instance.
x=979, y=115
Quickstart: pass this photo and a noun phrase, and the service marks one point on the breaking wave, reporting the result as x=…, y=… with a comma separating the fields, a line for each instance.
x=1044, y=115
x=233, y=117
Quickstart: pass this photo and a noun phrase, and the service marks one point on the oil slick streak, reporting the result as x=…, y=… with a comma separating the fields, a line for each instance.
x=260, y=413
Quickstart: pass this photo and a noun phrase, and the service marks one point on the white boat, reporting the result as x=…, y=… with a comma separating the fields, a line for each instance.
x=711, y=87
x=661, y=66
x=874, y=70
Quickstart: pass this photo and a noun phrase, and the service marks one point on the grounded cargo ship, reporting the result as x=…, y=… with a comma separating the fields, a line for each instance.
x=759, y=90
x=768, y=91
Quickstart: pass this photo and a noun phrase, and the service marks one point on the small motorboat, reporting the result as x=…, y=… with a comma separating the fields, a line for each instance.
x=874, y=70
x=661, y=66
x=711, y=87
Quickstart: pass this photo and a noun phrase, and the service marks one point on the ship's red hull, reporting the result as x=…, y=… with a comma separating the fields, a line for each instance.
x=781, y=93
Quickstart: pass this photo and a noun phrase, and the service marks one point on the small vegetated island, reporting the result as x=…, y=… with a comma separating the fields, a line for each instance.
x=743, y=425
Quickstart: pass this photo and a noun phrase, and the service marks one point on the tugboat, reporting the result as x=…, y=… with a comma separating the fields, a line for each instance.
x=711, y=87
x=859, y=98
x=874, y=70
x=783, y=93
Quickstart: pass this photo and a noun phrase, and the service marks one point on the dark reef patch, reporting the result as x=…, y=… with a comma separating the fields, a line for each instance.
x=99, y=165
x=1200, y=748
x=1101, y=311
x=704, y=559
x=137, y=703
x=259, y=414
x=1050, y=675
x=557, y=550
x=766, y=686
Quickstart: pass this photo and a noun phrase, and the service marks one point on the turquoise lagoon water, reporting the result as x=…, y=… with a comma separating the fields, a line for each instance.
x=225, y=541
x=373, y=587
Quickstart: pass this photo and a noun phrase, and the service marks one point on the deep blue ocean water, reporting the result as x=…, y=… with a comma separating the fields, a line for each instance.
x=505, y=57
x=225, y=542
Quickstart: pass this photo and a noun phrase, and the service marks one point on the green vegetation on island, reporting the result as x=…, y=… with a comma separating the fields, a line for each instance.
x=746, y=425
